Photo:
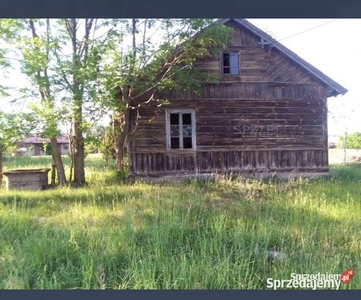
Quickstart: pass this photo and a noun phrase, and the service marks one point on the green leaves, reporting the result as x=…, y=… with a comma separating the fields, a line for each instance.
x=48, y=117
x=353, y=141
x=100, y=66
x=13, y=127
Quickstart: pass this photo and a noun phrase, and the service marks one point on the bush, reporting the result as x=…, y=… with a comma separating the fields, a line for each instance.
x=353, y=141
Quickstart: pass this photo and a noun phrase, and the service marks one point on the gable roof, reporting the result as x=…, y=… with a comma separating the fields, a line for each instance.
x=336, y=89
x=35, y=139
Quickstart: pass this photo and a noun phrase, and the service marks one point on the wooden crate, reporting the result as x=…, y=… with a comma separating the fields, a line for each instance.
x=27, y=179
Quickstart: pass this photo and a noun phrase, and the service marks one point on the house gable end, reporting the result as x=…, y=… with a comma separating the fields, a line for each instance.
x=283, y=65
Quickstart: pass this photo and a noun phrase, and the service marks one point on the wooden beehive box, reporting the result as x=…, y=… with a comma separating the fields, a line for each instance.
x=27, y=179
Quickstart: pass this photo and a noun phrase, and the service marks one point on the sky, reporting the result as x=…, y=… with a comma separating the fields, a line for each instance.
x=331, y=45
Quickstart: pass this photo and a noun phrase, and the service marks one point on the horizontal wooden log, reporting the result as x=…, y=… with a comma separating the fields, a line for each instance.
x=254, y=113
x=270, y=115
x=243, y=128
x=262, y=143
x=251, y=90
x=284, y=70
x=254, y=148
x=208, y=121
x=259, y=138
x=304, y=104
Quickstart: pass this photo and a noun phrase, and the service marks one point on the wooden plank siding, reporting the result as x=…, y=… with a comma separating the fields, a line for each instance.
x=229, y=161
x=285, y=129
x=281, y=69
x=253, y=65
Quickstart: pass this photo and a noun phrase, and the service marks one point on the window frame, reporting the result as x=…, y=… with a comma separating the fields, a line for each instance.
x=221, y=69
x=168, y=112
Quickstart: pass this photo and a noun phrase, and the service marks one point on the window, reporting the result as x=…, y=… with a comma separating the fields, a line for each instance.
x=230, y=63
x=180, y=129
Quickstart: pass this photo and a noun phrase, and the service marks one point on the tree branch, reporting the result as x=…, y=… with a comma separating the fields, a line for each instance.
x=38, y=74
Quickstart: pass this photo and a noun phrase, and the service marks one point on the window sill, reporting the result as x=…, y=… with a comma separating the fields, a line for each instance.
x=230, y=75
x=179, y=151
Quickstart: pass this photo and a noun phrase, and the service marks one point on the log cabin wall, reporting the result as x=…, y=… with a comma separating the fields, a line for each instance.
x=239, y=126
x=271, y=117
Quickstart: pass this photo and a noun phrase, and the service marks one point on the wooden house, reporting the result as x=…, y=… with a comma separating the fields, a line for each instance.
x=267, y=113
x=34, y=145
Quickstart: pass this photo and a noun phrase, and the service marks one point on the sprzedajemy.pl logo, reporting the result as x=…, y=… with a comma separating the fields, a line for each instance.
x=312, y=281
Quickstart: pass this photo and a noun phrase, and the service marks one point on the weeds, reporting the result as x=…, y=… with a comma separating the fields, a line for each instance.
x=199, y=234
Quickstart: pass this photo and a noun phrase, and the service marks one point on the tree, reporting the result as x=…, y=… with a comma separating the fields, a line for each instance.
x=31, y=40
x=61, y=58
x=269, y=32
x=352, y=140
x=13, y=127
x=93, y=137
x=340, y=116
x=137, y=73
x=87, y=65
x=108, y=144
x=35, y=64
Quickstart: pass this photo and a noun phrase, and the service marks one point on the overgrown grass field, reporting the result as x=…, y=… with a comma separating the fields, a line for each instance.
x=211, y=234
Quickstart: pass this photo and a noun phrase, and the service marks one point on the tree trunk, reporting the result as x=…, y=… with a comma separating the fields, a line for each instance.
x=79, y=166
x=78, y=92
x=125, y=117
x=56, y=155
x=120, y=139
x=1, y=168
x=120, y=151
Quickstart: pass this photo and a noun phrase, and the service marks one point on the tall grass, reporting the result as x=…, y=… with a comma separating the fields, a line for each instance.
x=199, y=234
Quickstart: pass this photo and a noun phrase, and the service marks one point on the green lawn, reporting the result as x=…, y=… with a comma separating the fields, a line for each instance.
x=186, y=235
